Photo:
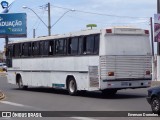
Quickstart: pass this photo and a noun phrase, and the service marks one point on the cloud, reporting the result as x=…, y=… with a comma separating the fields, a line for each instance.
x=119, y=7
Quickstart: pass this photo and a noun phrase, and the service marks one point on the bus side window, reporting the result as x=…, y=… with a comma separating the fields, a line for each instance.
x=17, y=50
x=60, y=44
x=88, y=44
x=51, y=47
x=26, y=49
x=29, y=49
x=64, y=46
x=69, y=46
x=73, y=46
x=96, y=44
x=41, y=48
x=22, y=49
x=80, y=46
x=46, y=48
x=33, y=48
x=37, y=48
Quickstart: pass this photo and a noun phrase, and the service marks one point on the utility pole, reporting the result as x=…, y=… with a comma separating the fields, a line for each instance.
x=152, y=40
x=49, y=19
x=154, y=75
x=158, y=11
x=34, y=33
x=158, y=48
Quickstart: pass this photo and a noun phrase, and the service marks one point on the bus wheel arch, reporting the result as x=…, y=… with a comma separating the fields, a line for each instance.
x=19, y=82
x=18, y=77
x=71, y=85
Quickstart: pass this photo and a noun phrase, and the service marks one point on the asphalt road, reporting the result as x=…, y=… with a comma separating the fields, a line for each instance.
x=42, y=99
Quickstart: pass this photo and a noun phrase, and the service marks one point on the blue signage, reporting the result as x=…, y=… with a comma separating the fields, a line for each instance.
x=13, y=25
x=4, y=4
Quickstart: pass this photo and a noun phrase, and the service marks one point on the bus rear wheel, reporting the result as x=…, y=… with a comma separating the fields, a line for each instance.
x=20, y=84
x=72, y=86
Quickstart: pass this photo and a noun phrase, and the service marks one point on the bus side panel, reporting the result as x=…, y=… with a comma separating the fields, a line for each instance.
x=53, y=72
x=11, y=77
x=26, y=78
x=41, y=79
x=58, y=79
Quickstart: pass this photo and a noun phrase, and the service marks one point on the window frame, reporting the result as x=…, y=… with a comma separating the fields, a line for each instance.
x=83, y=41
x=17, y=50
x=64, y=50
x=37, y=48
x=69, y=48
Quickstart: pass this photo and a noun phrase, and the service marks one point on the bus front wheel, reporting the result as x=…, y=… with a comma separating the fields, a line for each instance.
x=72, y=86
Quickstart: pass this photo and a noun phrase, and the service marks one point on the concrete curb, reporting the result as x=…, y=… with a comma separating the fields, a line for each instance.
x=2, y=96
x=155, y=83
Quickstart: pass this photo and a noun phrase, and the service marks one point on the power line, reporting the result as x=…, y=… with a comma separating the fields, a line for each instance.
x=39, y=20
x=133, y=22
x=37, y=23
x=102, y=14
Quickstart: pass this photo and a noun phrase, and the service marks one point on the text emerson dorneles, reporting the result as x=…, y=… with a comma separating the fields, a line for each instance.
x=142, y=115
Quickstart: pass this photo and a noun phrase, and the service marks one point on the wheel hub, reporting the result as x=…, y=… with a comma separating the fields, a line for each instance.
x=72, y=86
x=155, y=105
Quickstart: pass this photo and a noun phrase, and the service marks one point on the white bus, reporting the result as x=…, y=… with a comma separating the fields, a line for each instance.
x=107, y=60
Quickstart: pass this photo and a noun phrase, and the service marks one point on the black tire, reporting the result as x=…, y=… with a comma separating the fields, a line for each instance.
x=155, y=105
x=20, y=84
x=72, y=86
x=109, y=92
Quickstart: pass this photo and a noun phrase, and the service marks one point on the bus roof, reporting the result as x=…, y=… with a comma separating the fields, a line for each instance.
x=114, y=30
x=58, y=36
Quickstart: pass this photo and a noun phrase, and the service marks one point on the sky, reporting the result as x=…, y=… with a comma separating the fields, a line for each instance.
x=135, y=13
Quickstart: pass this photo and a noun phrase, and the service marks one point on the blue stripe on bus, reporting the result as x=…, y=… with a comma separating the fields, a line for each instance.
x=58, y=85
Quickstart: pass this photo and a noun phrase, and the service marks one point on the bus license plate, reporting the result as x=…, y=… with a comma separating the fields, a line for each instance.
x=124, y=83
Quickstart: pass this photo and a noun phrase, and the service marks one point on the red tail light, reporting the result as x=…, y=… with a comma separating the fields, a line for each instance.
x=109, y=30
x=148, y=72
x=146, y=32
x=110, y=73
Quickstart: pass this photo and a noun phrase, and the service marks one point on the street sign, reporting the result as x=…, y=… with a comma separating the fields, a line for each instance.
x=5, y=5
x=157, y=27
x=13, y=25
